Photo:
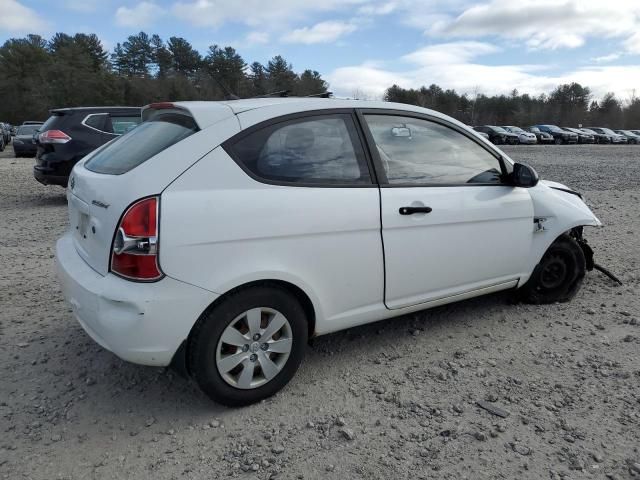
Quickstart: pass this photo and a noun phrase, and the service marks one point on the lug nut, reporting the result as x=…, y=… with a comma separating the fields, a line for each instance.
x=264, y=346
x=256, y=337
x=253, y=357
x=245, y=348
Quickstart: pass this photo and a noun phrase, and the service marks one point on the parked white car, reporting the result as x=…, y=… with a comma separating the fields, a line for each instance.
x=526, y=138
x=226, y=234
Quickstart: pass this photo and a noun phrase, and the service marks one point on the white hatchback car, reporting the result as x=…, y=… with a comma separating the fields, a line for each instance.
x=226, y=234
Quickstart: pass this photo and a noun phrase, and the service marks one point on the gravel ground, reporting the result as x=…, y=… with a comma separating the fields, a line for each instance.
x=396, y=399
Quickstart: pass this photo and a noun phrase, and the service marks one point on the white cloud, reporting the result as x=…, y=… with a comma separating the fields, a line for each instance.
x=450, y=53
x=141, y=15
x=606, y=58
x=632, y=44
x=15, y=18
x=384, y=8
x=257, y=38
x=451, y=65
x=548, y=24
x=213, y=13
x=323, y=32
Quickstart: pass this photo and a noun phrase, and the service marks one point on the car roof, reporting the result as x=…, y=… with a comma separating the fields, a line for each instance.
x=207, y=113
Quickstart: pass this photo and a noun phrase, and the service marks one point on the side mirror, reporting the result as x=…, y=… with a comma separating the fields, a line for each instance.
x=524, y=176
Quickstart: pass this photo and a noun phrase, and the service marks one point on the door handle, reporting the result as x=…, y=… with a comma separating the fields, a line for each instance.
x=412, y=210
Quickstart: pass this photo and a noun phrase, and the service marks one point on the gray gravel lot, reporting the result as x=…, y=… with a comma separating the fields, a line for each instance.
x=392, y=400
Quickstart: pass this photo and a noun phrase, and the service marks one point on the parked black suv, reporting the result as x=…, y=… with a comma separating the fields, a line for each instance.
x=498, y=135
x=72, y=133
x=559, y=135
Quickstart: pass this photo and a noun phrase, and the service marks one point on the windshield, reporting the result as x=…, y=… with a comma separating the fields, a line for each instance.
x=553, y=128
x=608, y=130
x=515, y=129
x=499, y=129
x=143, y=142
x=586, y=130
x=27, y=129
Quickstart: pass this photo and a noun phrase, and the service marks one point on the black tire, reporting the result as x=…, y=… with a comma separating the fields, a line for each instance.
x=558, y=141
x=203, y=343
x=558, y=276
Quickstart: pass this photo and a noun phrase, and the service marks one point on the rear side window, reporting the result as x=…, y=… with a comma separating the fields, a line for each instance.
x=96, y=120
x=143, y=142
x=322, y=149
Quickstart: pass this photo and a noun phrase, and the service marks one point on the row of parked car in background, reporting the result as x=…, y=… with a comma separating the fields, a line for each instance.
x=512, y=135
x=71, y=133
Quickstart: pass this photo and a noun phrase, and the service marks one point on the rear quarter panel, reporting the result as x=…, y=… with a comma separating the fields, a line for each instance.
x=221, y=229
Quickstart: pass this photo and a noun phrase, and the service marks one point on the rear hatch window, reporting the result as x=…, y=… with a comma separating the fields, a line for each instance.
x=141, y=143
x=53, y=122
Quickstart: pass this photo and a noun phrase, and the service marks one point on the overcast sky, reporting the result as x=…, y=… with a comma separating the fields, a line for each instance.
x=490, y=46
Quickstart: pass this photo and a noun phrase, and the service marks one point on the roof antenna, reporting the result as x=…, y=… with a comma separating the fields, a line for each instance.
x=321, y=95
x=279, y=93
x=227, y=93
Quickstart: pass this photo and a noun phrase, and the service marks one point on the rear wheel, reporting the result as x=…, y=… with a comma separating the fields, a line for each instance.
x=558, y=141
x=249, y=346
x=558, y=276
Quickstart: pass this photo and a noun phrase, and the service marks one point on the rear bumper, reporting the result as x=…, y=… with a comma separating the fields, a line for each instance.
x=47, y=178
x=52, y=168
x=142, y=323
x=24, y=149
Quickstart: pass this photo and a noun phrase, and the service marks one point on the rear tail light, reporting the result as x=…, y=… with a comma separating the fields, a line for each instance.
x=53, y=136
x=134, y=254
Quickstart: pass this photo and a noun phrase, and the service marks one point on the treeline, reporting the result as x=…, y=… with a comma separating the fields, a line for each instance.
x=37, y=75
x=568, y=105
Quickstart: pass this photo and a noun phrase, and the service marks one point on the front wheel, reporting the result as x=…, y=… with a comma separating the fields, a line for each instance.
x=558, y=141
x=558, y=276
x=249, y=346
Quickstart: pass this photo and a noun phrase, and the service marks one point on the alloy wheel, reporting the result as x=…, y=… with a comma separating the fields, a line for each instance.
x=254, y=348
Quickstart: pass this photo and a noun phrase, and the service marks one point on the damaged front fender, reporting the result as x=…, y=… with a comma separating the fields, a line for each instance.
x=557, y=210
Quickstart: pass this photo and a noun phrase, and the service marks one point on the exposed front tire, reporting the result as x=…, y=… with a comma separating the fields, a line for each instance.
x=558, y=276
x=249, y=346
x=558, y=141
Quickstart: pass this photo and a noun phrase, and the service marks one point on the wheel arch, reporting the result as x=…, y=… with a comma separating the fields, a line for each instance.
x=179, y=361
x=541, y=244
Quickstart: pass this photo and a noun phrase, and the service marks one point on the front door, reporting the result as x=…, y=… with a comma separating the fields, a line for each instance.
x=449, y=224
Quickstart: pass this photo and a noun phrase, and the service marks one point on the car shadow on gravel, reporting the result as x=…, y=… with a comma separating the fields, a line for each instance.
x=109, y=384
x=452, y=317
x=48, y=200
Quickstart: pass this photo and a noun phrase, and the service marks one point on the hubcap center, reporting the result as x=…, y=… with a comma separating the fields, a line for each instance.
x=255, y=347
